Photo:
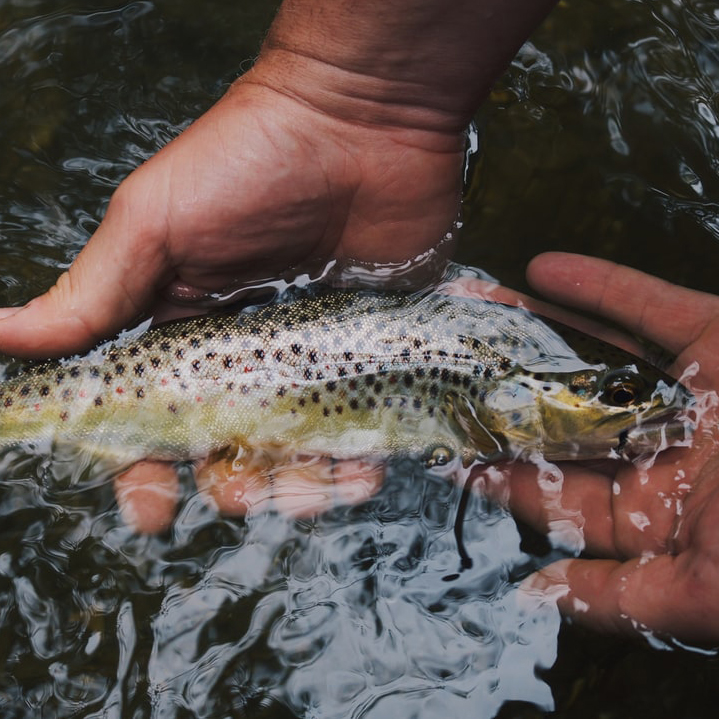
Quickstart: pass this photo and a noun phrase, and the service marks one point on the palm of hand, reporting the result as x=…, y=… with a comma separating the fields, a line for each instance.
x=655, y=524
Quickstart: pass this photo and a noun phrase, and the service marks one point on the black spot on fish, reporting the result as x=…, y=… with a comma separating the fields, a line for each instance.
x=230, y=386
x=120, y=369
x=94, y=372
x=419, y=372
x=354, y=404
x=505, y=363
x=312, y=355
x=196, y=366
x=66, y=394
x=260, y=354
x=98, y=401
x=113, y=356
x=307, y=374
x=359, y=368
x=44, y=391
x=487, y=373
x=301, y=401
x=59, y=377
x=25, y=390
x=147, y=344
x=165, y=346
x=417, y=403
x=107, y=379
x=155, y=361
x=371, y=402
x=331, y=386
x=326, y=411
x=140, y=393
x=227, y=362
x=134, y=351
x=408, y=380
x=315, y=397
x=74, y=372
x=8, y=402
x=387, y=402
x=434, y=372
x=172, y=408
x=369, y=379
x=281, y=391
x=296, y=349
x=341, y=372
x=194, y=342
x=139, y=369
x=64, y=416
x=211, y=355
x=209, y=335
x=349, y=356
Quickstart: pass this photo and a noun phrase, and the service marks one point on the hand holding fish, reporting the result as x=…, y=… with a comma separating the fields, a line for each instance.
x=343, y=141
x=653, y=528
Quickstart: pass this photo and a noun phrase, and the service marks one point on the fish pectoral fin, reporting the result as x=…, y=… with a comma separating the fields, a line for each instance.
x=488, y=446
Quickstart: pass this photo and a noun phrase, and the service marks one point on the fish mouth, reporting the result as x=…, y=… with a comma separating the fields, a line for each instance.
x=656, y=435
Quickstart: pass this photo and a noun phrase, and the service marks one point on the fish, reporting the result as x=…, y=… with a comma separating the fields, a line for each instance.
x=347, y=374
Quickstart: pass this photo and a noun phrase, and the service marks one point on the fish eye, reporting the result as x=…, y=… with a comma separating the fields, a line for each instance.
x=621, y=389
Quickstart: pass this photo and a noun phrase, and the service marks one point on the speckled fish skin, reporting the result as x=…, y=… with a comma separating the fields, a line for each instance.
x=344, y=374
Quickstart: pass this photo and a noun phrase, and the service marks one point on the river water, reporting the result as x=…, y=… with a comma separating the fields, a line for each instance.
x=601, y=138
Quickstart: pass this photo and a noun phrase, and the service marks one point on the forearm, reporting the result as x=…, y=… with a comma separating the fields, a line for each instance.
x=412, y=63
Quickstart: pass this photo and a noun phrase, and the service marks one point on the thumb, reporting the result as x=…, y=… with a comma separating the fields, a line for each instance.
x=646, y=595
x=110, y=282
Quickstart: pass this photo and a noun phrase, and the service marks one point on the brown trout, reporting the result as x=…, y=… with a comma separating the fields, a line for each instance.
x=351, y=374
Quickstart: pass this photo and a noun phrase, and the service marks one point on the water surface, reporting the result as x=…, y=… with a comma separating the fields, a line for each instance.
x=602, y=137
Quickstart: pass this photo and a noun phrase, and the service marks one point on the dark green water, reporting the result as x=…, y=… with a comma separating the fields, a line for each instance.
x=601, y=138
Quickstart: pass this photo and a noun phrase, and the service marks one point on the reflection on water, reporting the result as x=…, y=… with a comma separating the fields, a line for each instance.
x=602, y=137
x=359, y=612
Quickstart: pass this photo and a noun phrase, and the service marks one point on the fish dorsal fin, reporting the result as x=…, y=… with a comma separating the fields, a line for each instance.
x=488, y=447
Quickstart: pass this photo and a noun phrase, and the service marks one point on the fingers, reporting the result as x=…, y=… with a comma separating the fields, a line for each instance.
x=665, y=595
x=147, y=493
x=147, y=496
x=298, y=486
x=669, y=315
x=613, y=510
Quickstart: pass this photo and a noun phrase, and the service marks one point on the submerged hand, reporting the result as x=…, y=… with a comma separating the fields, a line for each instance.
x=653, y=527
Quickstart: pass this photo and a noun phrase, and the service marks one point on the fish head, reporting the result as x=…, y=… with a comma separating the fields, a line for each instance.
x=606, y=411
x=590, y=413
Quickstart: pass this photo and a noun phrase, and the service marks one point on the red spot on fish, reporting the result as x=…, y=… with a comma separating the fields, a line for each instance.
x=198, y=399
x=37, y=407
x=119, y=390
x=163, y=381
x=247, y=368
x=231, y=403
x=82, y=393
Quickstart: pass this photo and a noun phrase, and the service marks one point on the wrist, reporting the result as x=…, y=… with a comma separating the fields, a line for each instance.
x=356, y=98
x=411, y=64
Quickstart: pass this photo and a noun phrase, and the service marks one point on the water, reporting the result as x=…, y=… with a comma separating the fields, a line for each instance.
x=602, y=138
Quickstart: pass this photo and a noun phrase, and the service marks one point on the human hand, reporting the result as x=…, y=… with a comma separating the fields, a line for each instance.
x=261, y=184
x=653, y=526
